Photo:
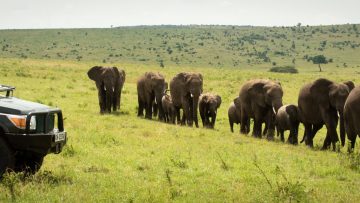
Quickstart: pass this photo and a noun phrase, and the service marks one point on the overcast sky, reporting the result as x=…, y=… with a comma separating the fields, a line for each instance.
x=104, y=13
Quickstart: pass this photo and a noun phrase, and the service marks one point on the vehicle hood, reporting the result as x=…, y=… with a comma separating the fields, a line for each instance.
x=13, y=105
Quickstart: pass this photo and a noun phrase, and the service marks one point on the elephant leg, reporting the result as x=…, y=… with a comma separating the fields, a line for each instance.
x=177, y=113
x=202, y=115
x=155, y=109
x=167, y=117
x=247, y=125
x=257, y=128
x=270, y=125
x=148, y=111
x=315, y=129
x=173, y=116
x=330, y=120
x=327, y=142
x=244, y=125
x=114, y=100
x=109, y=100
x=282, y=135
x=294, y=131
x=231, y=125
x=352, y=142
x=293, y=136
x=191, y=112
x=351, y=134
x=308, y=138
x=213, y=119
x=186, y=113
x=141, y=107
x=265, y=129
x=148, y=107
x=101, y=96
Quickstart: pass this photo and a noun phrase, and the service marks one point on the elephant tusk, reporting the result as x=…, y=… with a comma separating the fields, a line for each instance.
x=338, y=114
x=155, y=101
x=274, y=110
x=191, y=95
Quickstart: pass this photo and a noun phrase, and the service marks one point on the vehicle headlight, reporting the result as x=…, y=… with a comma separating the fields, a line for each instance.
x=33, y=123
x=18, y=121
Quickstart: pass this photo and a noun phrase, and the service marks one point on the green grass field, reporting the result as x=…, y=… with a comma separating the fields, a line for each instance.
x=123, y=158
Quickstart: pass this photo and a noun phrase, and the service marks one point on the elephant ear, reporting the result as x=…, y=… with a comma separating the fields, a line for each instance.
x=122, y=75
x=320, y=91
x=237, y=102
x=257, y=93
x=350, y=85
x=218, y=100
x=148, y=75
x=204, y=98
x=200, y=76
x=181, y=76
x=95, y=72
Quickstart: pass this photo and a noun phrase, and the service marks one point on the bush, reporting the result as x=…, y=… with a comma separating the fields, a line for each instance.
x=284, y=69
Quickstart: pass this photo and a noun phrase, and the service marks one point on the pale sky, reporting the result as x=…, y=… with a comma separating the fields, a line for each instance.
x=104, y=13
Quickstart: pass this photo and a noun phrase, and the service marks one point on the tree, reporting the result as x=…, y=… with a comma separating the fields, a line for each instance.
x=319, y=59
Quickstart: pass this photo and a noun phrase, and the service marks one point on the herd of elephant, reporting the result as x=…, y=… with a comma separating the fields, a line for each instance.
x=321, y=102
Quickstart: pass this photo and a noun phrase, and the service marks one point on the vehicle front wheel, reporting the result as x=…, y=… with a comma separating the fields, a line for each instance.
x=28, y=162
x=7, y=160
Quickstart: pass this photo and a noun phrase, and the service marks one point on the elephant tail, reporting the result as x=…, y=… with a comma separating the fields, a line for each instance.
x=302, y=139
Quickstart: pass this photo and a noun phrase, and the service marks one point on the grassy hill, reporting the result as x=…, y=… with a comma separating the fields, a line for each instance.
x=122, y=158
x=213, y=46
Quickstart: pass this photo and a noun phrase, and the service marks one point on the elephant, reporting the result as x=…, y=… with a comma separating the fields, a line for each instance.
x=109, y=82
x=234, y=114
x=322, y=102
x=150, y=89
x=287, y=118
x=169, y=109
x=185, y=90
x=155, y=109
x=260, y=99
x=352, y=116
x=208, y=105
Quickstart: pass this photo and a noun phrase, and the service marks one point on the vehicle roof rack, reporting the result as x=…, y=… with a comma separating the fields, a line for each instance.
x=8, y=89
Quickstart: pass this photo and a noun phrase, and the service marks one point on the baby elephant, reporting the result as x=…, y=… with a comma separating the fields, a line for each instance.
x=168, y=108
x=208, y=105
x=287, y=118
x=234, y=114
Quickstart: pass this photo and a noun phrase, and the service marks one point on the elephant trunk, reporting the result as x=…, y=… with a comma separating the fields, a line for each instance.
x=277, y=104
x=195, y=109
x=342, y=129
x=158, y=98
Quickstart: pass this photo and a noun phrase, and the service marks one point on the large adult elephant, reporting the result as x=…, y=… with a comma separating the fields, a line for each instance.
x=150, y=87
x=109, y=83
x=352, y=116
x=320, y=102
x=185, y=89
x=260, y=99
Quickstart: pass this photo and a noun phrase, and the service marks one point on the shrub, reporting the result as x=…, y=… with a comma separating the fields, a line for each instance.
x=284, y=69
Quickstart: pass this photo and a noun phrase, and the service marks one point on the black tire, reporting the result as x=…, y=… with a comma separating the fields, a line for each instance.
x=7, y=159
x=28, y=162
